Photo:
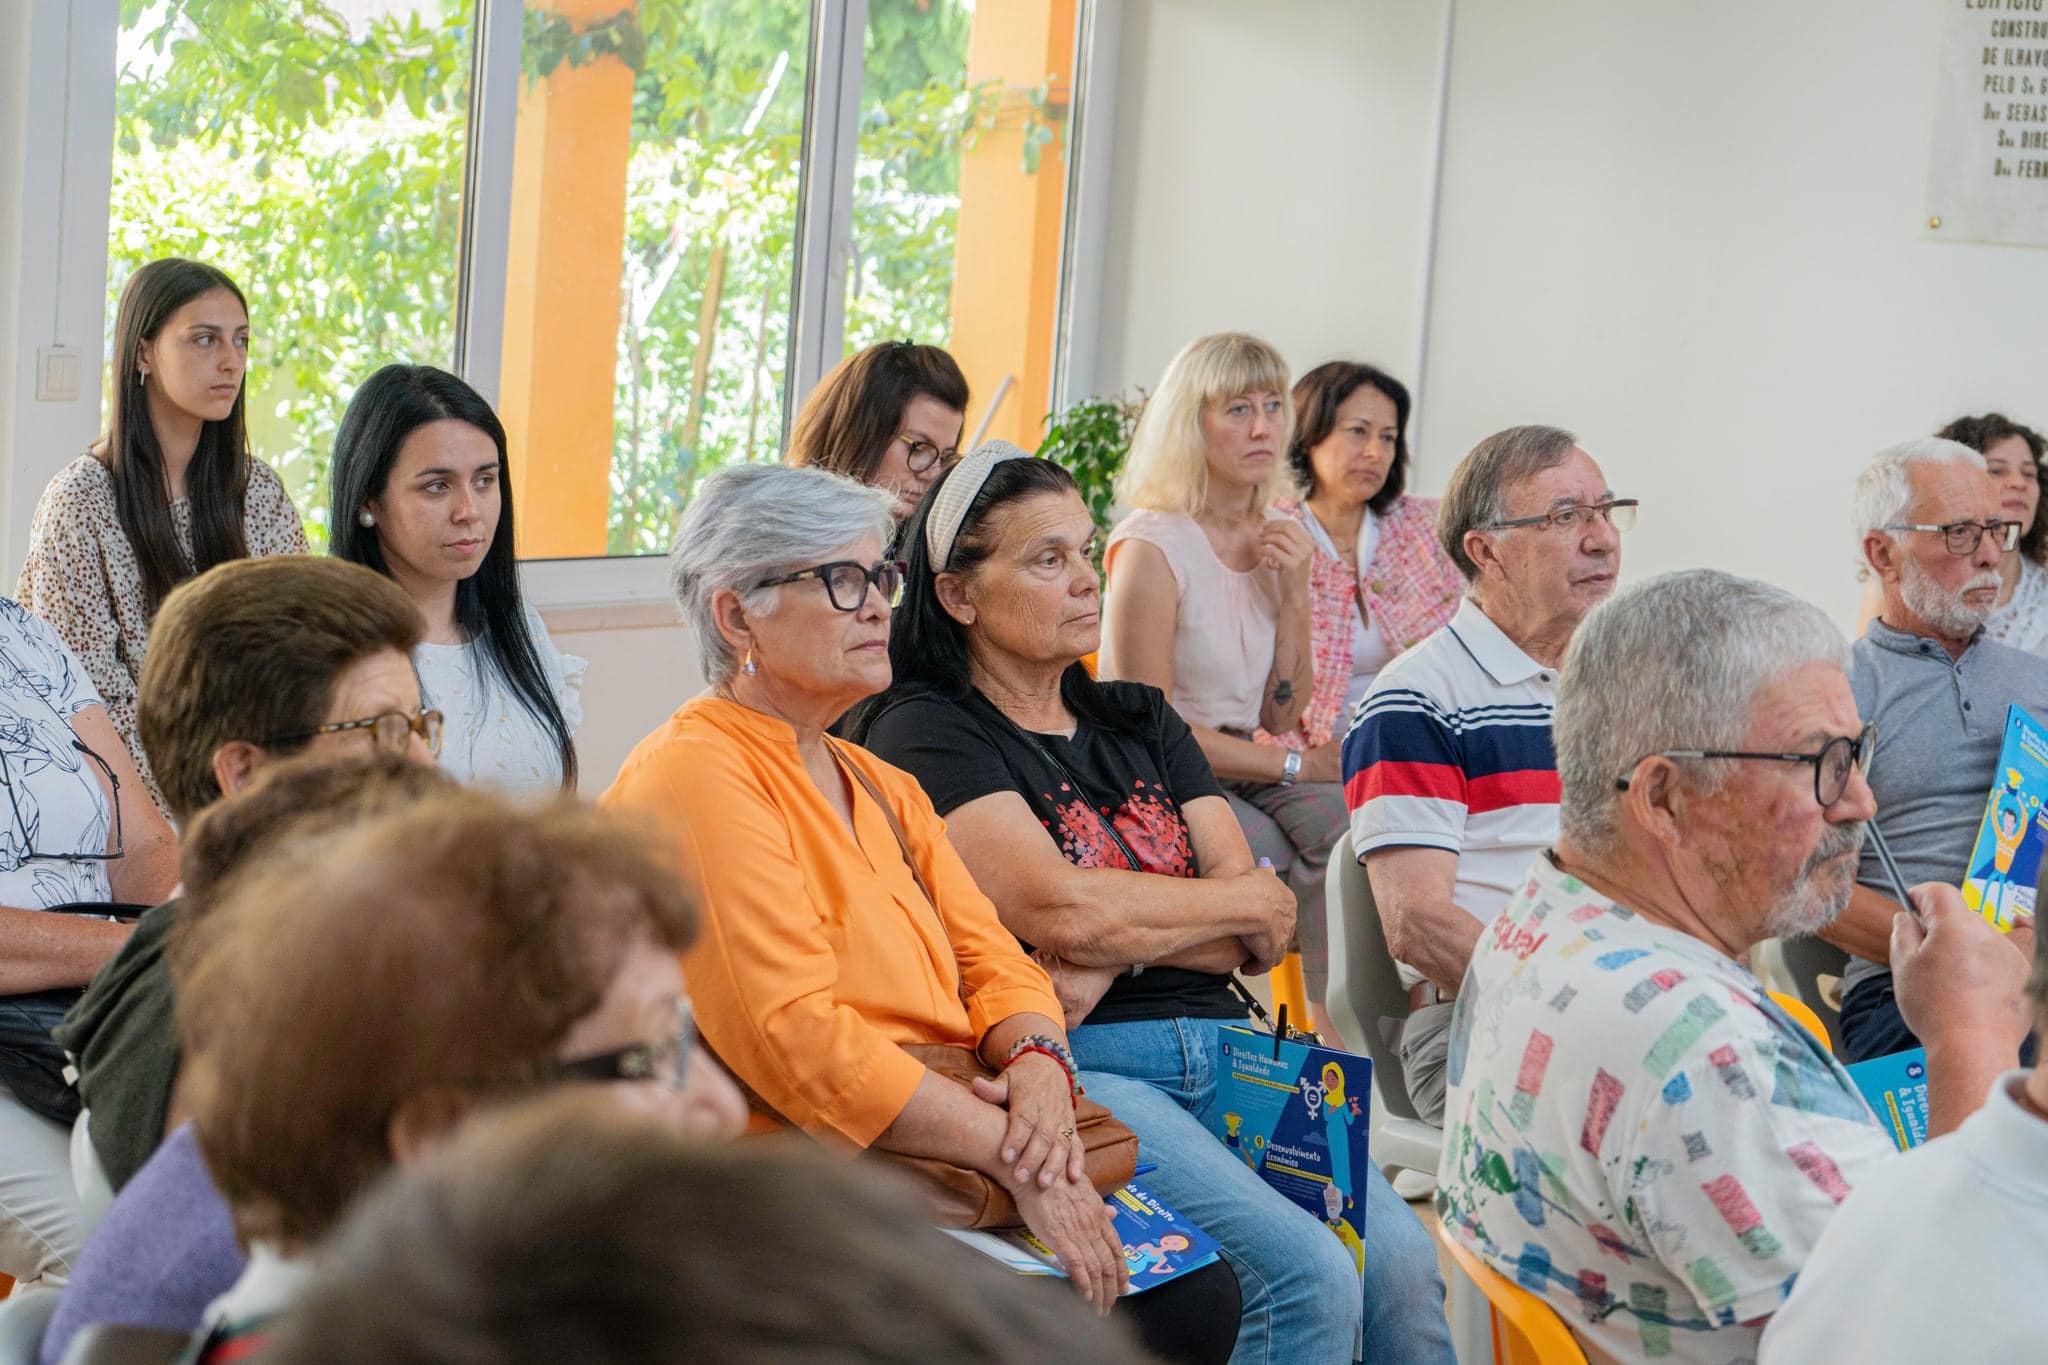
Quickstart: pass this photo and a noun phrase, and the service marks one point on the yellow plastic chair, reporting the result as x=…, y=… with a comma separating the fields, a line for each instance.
x=1804, y=1013
x=1291, y=990
x=1526, y=1330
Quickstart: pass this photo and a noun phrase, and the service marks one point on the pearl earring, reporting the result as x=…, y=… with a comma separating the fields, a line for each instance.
x=365, y=520
x=748, y=666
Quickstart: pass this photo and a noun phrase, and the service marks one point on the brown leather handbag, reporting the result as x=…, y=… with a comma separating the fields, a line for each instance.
x=965, y=1198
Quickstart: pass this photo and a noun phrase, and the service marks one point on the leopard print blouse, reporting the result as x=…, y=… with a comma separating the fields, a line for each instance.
x=81, y=576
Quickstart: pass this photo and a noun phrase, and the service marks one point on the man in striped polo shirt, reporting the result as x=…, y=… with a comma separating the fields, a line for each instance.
x=1448, y=769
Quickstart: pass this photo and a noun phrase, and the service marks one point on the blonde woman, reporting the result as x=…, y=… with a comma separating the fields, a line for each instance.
x=1209, y=602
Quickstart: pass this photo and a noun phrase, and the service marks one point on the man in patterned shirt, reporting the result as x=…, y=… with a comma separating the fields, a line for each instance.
x=1635, y=1130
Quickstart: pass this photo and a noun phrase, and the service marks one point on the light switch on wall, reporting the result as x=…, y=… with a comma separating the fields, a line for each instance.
x=56, y=374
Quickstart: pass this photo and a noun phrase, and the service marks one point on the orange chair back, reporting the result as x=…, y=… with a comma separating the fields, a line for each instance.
x=1803, y=1013
x=1526, y=1330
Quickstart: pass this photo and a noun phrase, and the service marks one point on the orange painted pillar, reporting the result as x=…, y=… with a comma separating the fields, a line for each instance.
x=562, y=293
x=1007, y=262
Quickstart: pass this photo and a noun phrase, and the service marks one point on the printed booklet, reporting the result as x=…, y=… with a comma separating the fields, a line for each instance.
x=1296, y=1113
x=1895, y=1087
x=2007, y=857
x=1159, y=1244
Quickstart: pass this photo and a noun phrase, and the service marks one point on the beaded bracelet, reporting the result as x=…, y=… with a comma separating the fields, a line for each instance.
x=1047, y=1045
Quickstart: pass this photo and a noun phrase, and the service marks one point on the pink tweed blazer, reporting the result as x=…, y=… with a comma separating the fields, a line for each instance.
x=1411, y=588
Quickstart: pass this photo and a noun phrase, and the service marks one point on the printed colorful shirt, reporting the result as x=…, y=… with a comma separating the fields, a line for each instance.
x=1636, y=1131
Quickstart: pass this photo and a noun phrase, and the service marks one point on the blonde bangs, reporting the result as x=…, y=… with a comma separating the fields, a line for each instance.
x=1167, y=469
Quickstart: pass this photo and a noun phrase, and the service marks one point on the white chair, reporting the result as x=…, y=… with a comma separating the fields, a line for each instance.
x=1368, y=1003
x=24, y=1318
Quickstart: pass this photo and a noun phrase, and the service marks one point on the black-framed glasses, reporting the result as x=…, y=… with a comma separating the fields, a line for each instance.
x=664, y=1060
x=1620, y=513
x=920, y=454
x=1832, y=763
x=846, y=581
x=1961, y=537
x=26, y=839
x=389, y=731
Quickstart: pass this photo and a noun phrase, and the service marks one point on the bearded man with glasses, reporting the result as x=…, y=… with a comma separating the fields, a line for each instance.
x=1635, y=1129
x=1937, y=688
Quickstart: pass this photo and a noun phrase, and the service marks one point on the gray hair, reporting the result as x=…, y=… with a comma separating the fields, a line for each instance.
x=1475, y=497
x=1672, y=663
x=750, y=522
x=1882, y=492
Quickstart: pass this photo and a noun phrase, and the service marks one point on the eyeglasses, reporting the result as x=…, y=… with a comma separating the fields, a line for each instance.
x=1837, y=758
x=664, y=1060
x=1620, y=513
x=24, y=837
x=920, y=454
x=1961, y=537
x=846, y=581
x=391, y=731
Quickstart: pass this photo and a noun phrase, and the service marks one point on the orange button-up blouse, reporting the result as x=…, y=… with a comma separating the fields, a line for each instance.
x=818, y=954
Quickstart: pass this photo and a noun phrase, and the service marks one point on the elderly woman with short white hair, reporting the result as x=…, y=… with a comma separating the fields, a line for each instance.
x=843, y=936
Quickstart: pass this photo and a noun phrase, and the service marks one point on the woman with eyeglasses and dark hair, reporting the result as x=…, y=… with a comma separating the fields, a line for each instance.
x=890, y=416
x=847, y=952
x=2012, y=457
x=1379, y=581
x=419, y=493
x=169, y=492
x=1088, y=811
x=79, y=840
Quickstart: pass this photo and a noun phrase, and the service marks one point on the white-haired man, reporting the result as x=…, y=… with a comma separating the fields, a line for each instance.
x=1448, y=769
x=1635, y=1130
x=1936, y=687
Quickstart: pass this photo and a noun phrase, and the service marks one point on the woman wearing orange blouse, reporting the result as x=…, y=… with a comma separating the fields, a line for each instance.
x=822, y=956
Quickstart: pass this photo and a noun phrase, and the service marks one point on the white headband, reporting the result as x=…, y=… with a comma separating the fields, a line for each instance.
x=950, y=504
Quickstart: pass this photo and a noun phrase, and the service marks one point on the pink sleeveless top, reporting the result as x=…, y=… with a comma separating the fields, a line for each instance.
x=1223, y=644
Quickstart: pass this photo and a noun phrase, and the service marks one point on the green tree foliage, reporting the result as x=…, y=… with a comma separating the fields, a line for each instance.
x=317, y=156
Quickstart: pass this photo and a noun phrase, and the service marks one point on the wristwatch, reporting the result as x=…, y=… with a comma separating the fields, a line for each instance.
x=1290, y=768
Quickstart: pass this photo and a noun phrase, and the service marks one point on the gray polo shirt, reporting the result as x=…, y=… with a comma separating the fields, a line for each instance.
x=1940, y=723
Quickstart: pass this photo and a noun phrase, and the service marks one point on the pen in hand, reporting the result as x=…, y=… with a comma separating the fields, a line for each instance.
x=1891, y=870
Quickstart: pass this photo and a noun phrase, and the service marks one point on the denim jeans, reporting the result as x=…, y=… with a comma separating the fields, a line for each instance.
x=1302, y=1304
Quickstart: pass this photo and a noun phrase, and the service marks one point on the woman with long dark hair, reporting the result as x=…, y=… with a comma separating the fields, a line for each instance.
x=170, y=491
x=419, y=494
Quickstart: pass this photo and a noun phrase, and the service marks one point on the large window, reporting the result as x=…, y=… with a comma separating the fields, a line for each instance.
x=649, y=182
x=327, y=183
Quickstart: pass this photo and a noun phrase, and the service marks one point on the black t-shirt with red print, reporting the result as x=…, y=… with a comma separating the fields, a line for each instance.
x=1135, y=779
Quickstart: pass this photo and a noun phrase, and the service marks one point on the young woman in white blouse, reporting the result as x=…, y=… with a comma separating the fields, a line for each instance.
x=419, y=493
x=170, y=492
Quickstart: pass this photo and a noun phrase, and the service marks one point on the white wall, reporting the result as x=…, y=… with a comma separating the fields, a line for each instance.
x=1696, y=235
x=1271, y=169
x=1693, y=233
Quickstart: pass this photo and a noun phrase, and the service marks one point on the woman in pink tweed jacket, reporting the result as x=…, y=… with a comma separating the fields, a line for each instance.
x=1379, y=581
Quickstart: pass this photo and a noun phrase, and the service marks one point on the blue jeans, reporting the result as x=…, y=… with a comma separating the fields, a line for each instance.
x=1302, y=1304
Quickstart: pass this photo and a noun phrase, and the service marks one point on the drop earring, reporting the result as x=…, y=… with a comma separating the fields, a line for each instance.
x=142, y=379
x=365, y=520
x=747, y=667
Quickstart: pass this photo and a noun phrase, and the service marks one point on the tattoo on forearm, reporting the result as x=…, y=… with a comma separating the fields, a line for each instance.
x=1283, y=692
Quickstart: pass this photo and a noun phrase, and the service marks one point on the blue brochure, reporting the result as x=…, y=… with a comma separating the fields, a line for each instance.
x=1159, y=1244
x=1895, y=1087
x=1297, y=1115
x=2006, y=860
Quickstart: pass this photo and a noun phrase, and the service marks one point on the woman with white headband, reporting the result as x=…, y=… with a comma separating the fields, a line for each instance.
x=1090, y=815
